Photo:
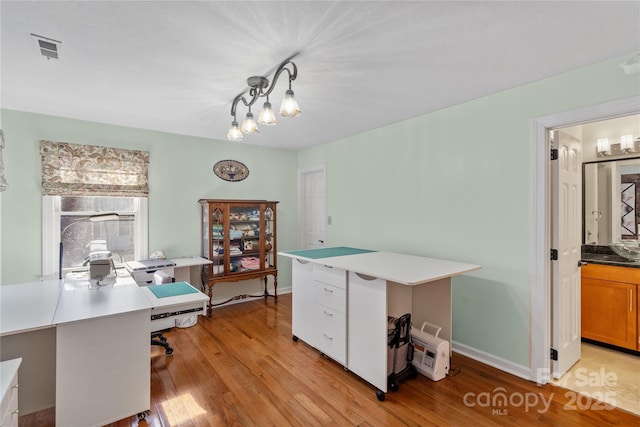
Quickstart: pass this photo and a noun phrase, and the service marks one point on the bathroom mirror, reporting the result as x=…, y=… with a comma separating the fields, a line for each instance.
x=611, y=201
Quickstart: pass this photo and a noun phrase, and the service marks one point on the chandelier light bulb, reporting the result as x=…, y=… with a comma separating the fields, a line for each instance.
x=267, y=117
x=234, y=134
x=289, y=107
x=249, y=126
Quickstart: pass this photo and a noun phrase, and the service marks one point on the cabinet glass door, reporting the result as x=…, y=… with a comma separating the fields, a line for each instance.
x=269, y=235
x=217, y=241
x=205, y=231
x=244, y=238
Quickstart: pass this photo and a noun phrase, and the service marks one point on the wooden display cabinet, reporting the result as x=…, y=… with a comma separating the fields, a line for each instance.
x=239, y=237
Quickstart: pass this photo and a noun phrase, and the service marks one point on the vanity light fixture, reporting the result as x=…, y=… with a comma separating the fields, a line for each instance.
x=626, y=143
x=603, y=148
x=259, y=88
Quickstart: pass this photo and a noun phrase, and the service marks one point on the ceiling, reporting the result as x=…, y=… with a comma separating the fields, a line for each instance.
x=175, y=66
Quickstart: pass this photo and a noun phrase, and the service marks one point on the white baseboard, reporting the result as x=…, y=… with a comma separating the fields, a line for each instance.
x=492, y=360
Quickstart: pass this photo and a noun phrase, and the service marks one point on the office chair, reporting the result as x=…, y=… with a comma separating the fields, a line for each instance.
x=157, y=338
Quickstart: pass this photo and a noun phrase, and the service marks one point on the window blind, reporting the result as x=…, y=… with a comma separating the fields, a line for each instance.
x=88, y=170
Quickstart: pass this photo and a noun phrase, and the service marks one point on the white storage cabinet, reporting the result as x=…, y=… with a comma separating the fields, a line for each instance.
x=9, y=389
x=319, y=308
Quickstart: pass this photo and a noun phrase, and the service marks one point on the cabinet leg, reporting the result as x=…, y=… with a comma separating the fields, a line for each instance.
x=275, y=288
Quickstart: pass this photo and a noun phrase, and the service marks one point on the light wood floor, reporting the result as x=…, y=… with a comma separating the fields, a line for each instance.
x=241, y=368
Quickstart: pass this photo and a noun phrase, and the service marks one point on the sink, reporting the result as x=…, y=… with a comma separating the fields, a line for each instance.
x=629, y=251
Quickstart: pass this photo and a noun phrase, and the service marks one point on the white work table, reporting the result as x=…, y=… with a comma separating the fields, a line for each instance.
x=28, y=306
x=357, y=290
x=102, y=340
x=405, y=269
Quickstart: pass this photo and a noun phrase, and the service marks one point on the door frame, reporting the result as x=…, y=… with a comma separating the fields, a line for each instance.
x=540, y=313
x=302, y=218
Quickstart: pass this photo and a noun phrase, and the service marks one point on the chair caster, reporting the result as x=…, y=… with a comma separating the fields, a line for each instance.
x=169, y=351
x=144, y=414
x=294, y=338
x=380, y=395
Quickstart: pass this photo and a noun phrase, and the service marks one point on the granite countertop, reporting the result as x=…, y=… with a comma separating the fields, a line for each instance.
x=604, y=255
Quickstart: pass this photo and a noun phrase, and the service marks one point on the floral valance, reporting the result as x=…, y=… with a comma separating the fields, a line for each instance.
x=88, y=170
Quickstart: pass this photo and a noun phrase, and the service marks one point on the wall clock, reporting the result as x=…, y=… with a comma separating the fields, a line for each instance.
x=231, y=170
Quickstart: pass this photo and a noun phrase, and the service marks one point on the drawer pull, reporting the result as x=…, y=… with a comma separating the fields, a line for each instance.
x=16, y=412
x=327, y=266
x=328, y=337
x=328, y=290
x=366, y=277
x=630, y=299
x=327, y=313
x=14, y=387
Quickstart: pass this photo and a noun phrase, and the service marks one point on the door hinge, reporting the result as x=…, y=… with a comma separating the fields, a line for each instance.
x=554, y=354
x=554, y=254
x=554, y=154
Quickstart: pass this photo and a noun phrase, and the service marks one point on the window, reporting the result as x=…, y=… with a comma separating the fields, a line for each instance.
x=65, y=219
x=80, y=182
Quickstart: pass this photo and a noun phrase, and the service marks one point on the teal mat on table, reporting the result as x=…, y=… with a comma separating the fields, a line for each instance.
x=171, y=289
x=329, y=252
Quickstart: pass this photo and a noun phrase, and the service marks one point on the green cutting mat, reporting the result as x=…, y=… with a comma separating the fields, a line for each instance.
x=329, y=252
x=171, y=289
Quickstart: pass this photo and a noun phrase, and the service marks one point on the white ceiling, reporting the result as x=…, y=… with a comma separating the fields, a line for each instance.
x=175, y=66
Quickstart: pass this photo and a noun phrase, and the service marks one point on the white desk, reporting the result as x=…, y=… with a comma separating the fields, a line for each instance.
x=380, y=284
x=188, y=269
x=101, y=345
x=28, y=306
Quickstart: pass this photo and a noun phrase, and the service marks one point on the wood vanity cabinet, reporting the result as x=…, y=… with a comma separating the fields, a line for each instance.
x=609, y=304
x=239, y=237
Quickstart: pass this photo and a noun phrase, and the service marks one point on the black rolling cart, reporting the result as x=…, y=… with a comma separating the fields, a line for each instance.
x=399, y=366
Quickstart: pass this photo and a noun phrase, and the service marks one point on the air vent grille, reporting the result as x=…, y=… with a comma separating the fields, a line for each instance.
x=49, y=48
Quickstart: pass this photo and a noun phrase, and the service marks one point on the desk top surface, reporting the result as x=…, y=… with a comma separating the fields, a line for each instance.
x=400, y=268
x=43, y=304
x=28, y=306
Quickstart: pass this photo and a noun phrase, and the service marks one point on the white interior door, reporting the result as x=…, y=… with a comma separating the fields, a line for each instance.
x=566, y=206
x=312, y=208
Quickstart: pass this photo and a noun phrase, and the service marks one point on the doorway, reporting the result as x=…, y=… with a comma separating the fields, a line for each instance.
x=312, y=208
x=541, y=312
x=601, y=376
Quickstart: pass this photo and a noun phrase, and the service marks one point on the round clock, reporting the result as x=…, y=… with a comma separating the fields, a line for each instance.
x=231, y=170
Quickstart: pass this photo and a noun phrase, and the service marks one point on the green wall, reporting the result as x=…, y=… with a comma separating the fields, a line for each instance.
x=452, y=184
x=180, y=173
x=456, y=184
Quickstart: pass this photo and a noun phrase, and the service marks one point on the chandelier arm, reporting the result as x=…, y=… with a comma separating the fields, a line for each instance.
x=254, y=97
x=283, y=67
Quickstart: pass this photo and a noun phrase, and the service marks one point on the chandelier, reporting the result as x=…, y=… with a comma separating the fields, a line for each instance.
x=259, y=88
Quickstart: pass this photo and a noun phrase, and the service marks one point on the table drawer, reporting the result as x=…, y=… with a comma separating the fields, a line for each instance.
x=9, y=403
x=329, y=275
x=331, y=333
x=330, y=296
x=10, y=415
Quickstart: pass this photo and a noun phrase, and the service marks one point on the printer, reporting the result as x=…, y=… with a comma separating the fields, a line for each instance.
x=149, y=271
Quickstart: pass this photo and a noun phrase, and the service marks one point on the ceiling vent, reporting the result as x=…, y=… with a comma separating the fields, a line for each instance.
x=49, y=48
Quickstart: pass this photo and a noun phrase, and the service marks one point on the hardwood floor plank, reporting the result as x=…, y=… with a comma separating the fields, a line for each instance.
x=241, y=368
